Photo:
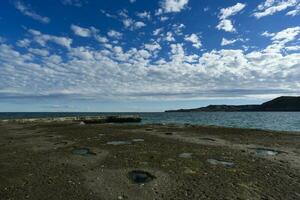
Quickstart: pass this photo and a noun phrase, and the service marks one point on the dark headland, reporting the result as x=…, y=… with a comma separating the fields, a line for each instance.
x=280, y=104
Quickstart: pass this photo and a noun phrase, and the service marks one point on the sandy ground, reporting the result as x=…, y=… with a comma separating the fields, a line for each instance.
x=39, y=161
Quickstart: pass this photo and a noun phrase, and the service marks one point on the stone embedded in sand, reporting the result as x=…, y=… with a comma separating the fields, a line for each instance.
x=185, y=155
x=82, y=151
x=61, y=143
x=139, y=176
x=118, y=142
x=169, y=133
x=138, y=140
x=266, y=152
x=219, y=162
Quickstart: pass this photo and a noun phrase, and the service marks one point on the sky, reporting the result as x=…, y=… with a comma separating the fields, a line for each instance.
x=142, y=55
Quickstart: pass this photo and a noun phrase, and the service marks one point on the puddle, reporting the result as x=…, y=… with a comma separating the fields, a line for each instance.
x=139, y=176
x=118, y=142
x=185, y=155
x=266, y=152
x=219, y=162
x=82, y=152
x=138, y=140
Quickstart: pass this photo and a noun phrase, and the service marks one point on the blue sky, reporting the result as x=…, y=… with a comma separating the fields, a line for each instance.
x=141, y=55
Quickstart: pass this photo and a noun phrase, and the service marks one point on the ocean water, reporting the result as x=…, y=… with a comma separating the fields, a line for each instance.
x=281, y=121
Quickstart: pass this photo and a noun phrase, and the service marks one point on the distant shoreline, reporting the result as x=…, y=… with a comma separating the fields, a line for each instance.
x=280, y=104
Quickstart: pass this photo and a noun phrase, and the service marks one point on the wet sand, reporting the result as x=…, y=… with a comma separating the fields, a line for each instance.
x=71, y=161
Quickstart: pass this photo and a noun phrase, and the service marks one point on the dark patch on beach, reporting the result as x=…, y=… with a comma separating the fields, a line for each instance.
x=83, y=151
x=140, y=176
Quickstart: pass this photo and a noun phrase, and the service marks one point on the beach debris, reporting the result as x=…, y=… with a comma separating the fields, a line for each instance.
x=266, y=152
x=140, y=176
x=149, y=129
x=219, y=162
x=168, y=133
x=138, y=140
x=81, y=123
x=82, y=151
x=119, y=142
x=185, y=155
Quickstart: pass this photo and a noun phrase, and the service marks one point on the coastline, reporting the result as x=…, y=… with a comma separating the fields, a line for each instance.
x=186, y=161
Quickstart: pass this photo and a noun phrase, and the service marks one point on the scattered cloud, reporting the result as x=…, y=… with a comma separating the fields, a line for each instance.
x=225, y=13
x=270, y=7
x=76, y=3
x=114, y=72
x=295, y=11
x=226, y=42
x=42, y=39
x=169, y=37
x=114, y=34
x=83, y=32
x=194, y=39
x=173, y=5
x=144, y=15
x=27, y=11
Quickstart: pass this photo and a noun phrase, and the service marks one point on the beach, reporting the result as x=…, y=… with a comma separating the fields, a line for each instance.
x=68, y=160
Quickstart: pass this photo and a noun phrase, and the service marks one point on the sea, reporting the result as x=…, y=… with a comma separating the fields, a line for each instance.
x=279, y=121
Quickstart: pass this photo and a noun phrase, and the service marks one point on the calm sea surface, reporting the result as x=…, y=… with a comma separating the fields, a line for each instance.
x=282, y=121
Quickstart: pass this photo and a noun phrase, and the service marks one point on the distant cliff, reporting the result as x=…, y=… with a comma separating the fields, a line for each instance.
x=291, y=104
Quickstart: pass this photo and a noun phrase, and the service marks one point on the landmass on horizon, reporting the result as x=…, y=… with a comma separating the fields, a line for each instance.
x=280, y=104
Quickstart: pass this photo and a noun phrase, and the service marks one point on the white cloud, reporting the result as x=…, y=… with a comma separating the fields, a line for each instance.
x=169, y=37
x=280, y=39
x=295, y=11
x=23, y=43
x=157, y=31
x=39, y=52
x=178, y=28
x=152, y=47
x=231, y=11
x=26, y=10
x=83, y=32
x=173, y=5
x=225, y=23
x=76, y=3
x=270, y=7
x=42, y=39
x=130, y=23
x=144, y=15
x=194, y=39
x=267, y=34
x=293, y=48
x=227, y=42
x=114, y=34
